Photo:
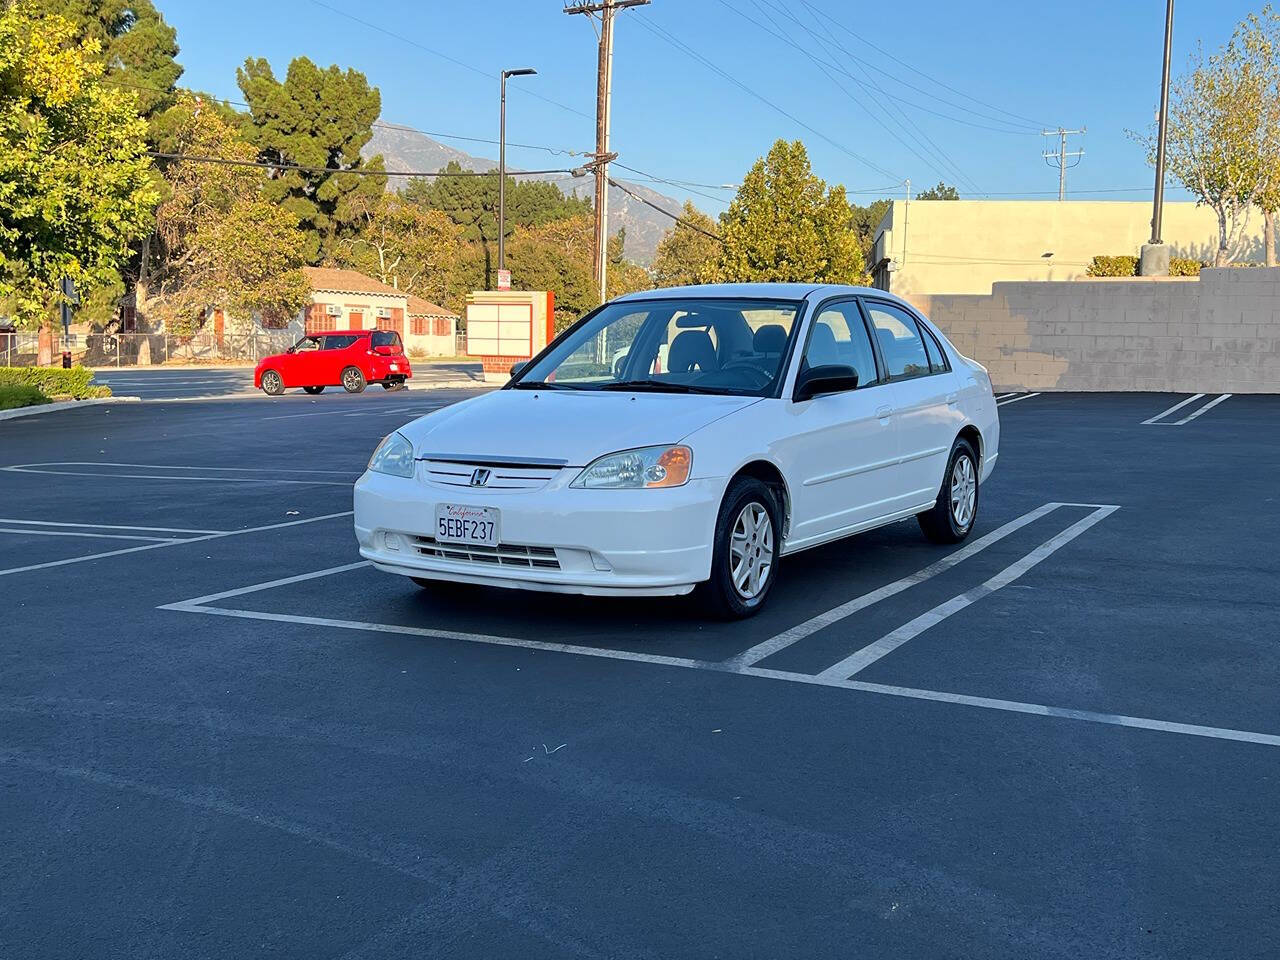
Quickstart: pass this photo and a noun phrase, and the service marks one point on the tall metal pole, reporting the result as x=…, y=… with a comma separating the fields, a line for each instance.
x=1062, y=164
x=1157, y=211
x=502, y=174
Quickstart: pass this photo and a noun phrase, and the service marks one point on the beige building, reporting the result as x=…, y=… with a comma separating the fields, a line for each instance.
x=963, y=246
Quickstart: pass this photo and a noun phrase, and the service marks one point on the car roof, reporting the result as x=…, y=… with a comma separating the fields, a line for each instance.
x=340, y=333
x=767, y=291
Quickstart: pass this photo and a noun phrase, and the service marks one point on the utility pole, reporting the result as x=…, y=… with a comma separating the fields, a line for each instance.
x=1061, y=156
x=1154, y=261
x=604, y=97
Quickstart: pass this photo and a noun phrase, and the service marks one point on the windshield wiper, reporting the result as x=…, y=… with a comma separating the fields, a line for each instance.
x=662, y=386
x=541, y=385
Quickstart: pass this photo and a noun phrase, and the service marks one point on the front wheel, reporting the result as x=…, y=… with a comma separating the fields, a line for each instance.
x=272, y=383
x=352, y=380
x=950, y=520
x=314, y=390
x=745, y=555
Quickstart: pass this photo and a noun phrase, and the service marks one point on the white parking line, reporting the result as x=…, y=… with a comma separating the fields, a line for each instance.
x=169, y=543
x=861, y=659
x=1205, y=409
x=103, y=526
x=1176, y=407
x=811, y=626
x=198, y=606
x=1024, y=396
x=1005, y=396
x=31, y=531
x=41, y=468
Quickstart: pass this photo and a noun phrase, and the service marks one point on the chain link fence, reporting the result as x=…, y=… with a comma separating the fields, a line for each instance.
x=145, y=349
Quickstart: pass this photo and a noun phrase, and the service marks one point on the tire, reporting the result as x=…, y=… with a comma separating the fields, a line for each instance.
x=353, y=380
x=747, y=503
x=314, y=390
x=951, y=518
x=272, y=383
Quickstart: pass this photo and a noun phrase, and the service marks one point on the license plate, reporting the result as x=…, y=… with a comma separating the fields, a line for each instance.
x=395, y=366
x=458, y=523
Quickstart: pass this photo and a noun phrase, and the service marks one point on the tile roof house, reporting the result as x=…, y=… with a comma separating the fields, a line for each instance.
x=350, y=300
x=433, y=330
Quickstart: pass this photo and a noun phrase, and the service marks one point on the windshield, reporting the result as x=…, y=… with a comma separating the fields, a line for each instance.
x=686, y=345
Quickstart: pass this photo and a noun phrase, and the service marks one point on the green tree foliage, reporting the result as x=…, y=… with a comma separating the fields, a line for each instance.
x=136, y=47
x=943, y=191
x=556, y=256
x=75, y=186
x=219, y=240
x=472, y=203
x=786, y=225
x=403, y=244
x=686, y=253
x=1224, y=126
x=316, y=118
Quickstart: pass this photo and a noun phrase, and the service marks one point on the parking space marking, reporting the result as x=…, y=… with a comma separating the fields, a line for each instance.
x=811, y=626
x=32, y=531
x=42, y=468
x=1159, y=419
x=358, y=413
x=1015, y=399
x=861, y=659
x=169, y=543
x=103, y=526
x=200, y=605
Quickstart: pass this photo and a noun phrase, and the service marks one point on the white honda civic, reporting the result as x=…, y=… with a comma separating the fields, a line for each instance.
x=689, y=438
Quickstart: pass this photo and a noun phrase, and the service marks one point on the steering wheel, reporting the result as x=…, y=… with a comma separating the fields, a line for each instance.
x=742, y=363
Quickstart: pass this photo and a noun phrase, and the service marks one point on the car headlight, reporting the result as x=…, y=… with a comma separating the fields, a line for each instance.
x=394, y=456
x=666, y=466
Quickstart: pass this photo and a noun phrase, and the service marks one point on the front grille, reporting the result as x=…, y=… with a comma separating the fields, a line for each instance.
x=503, y=555
x=448, y=474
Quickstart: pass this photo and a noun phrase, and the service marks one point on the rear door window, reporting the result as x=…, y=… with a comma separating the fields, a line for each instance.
x=339, y=341
x=899, y=339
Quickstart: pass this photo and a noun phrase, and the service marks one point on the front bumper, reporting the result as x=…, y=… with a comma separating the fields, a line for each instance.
x=599, y=542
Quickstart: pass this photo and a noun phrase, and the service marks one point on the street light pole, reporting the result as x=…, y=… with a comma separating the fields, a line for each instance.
x=1155, y=255
x=502, y=161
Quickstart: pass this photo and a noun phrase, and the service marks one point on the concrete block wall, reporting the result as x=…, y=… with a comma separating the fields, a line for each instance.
x=1219, y=333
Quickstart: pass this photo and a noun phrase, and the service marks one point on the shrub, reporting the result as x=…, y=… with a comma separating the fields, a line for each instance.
x=14, y=395
x=1113, y=267
x=1184, y=267
x=56, y=382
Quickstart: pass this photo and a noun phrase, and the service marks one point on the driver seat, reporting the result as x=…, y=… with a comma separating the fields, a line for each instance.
x=690, y=350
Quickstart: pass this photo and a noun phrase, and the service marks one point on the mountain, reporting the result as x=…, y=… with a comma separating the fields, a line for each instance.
x=409, y=150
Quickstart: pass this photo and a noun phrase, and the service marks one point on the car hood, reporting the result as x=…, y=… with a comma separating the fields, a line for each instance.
x=575, y=427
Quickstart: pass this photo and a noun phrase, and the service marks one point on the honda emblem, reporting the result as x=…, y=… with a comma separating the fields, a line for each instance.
x=479, y=477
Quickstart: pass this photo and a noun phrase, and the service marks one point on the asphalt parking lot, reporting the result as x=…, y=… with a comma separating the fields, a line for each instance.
x=177, y=383
x=222, y=735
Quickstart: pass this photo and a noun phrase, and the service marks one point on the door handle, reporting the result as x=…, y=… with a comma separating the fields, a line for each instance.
x=884, y=412
x=953, y=398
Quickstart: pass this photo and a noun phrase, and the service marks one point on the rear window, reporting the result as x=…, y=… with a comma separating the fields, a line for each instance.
x=387, y=338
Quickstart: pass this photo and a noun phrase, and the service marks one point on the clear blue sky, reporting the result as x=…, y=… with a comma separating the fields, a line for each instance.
x=1094, y=64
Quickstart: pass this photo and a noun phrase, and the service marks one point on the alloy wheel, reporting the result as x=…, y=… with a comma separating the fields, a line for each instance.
x=751, y=551
x=964, y=491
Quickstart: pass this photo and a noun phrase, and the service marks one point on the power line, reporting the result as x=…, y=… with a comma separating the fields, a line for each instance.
x=358, y=171
x=680, y=221
x=1061, y=156
x=488, y=74
x=689, y=51
x=815, y=10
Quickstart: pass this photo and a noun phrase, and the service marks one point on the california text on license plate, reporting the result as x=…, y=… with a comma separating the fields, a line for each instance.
x=459, y=523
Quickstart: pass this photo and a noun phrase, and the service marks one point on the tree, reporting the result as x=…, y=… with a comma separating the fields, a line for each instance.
x=865, y=221
x=1223, y=131
x=472, y=203
x=556, y=256
x=136, y=47
x=75, y=185
x=315, y=118
x=687, y=253
x=943, y=191
x=403, y=244
x=785, y=225
x=218, y=240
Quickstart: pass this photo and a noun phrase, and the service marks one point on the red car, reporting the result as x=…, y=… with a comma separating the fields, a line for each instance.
x=350, y=359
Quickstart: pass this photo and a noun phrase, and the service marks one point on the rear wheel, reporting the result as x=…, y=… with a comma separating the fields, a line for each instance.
x=745, y=556
x=352, y=380
x=314, y=390
x=272, y=383
x=951, y=518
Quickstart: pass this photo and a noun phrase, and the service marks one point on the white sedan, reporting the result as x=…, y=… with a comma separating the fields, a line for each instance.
x=743, y=423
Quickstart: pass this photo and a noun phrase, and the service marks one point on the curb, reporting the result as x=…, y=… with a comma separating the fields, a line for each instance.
x=63, y=405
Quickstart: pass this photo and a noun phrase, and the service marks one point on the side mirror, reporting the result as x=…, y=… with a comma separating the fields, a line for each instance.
x=517, y=367
x=829, y=378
